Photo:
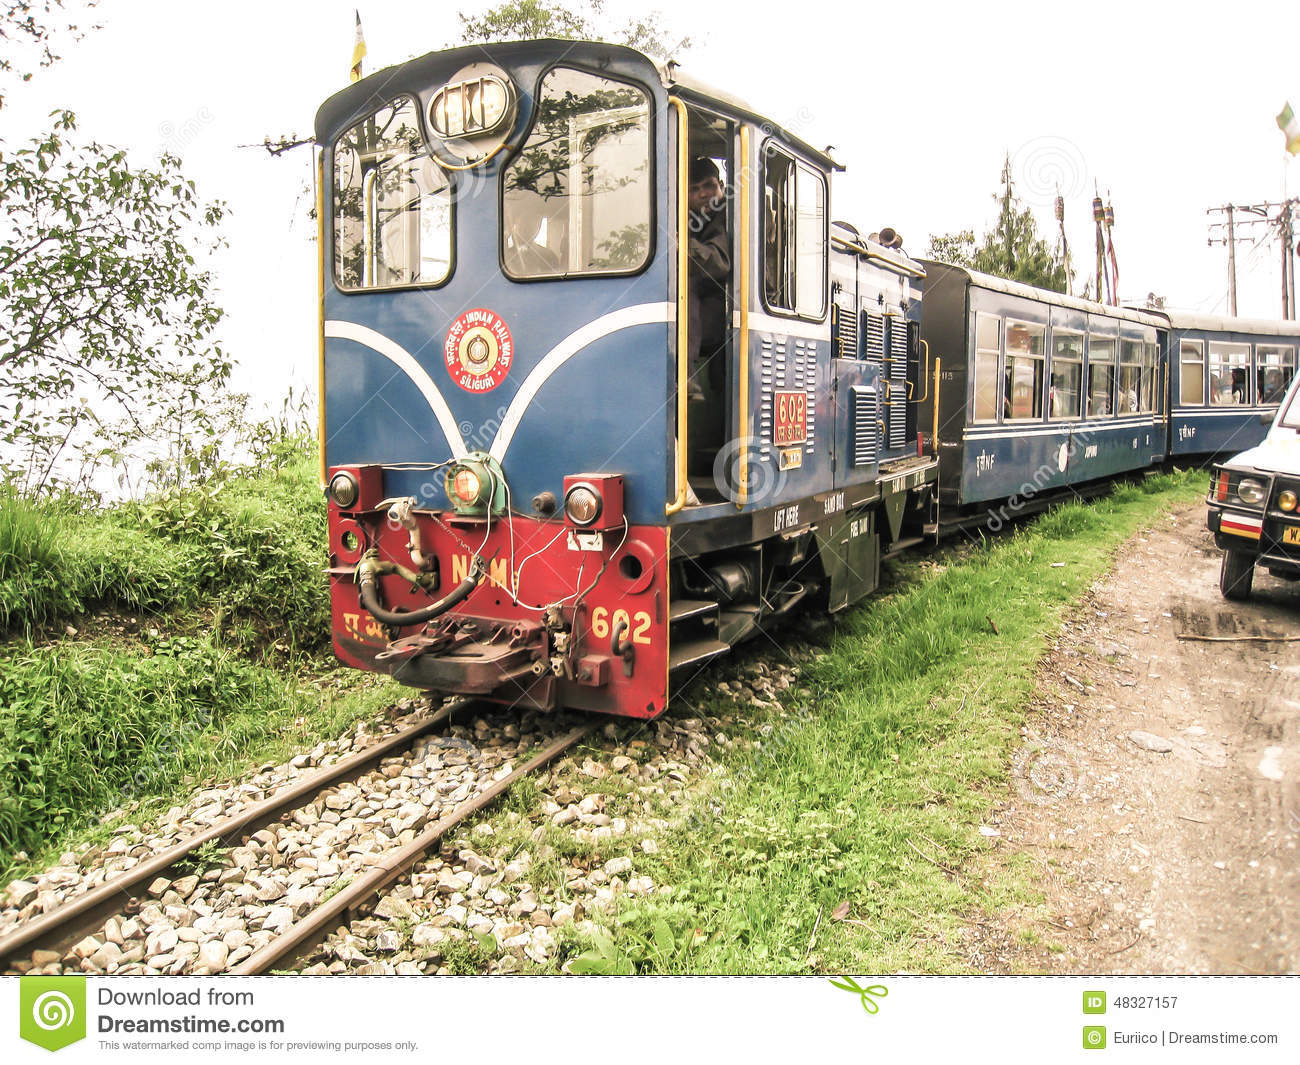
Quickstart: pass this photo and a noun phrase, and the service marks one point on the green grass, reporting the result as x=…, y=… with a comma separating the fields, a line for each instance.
x=870, y=784
x=248, y=549
x=203, y=650
x=90, y=729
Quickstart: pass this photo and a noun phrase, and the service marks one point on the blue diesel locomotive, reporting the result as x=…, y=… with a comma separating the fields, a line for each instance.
x=551, y=483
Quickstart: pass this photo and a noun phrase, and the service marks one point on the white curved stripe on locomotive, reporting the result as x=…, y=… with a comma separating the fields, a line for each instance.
x=404, y=361
x=624, y=318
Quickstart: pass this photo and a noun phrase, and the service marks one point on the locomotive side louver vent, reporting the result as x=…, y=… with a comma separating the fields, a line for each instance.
x=785, y=364
x=846, y=333
x=897, y=401
x=864, y=412
x=874, y=349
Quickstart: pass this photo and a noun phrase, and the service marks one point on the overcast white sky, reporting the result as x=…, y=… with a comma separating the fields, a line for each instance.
x=1170, y=109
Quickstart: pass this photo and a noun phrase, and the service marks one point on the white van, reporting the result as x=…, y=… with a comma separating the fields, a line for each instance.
x=1253, y=504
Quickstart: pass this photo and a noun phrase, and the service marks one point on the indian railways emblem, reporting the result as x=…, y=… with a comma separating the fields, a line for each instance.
x=479, y=350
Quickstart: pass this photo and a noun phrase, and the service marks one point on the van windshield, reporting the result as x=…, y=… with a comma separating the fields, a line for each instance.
x=1291, y=411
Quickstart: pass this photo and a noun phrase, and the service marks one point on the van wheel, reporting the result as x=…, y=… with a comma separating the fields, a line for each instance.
x=1236, y=575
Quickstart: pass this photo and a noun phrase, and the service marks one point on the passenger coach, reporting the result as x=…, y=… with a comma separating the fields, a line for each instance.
x=1039, y=392
x=1228, y=377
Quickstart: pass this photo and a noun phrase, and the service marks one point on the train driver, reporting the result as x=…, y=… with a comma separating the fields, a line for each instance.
x=710, y=269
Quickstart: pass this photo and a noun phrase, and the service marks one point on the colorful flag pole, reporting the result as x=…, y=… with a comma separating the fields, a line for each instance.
x=1065, y=244
x=358, y=49
x=1098, y=217
x=1290, y=127
x=1114, y=263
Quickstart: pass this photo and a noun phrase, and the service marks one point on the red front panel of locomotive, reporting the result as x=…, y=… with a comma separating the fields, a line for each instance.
x=603, y=646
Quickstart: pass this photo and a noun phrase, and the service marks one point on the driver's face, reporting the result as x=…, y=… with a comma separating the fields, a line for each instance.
x=706, y=193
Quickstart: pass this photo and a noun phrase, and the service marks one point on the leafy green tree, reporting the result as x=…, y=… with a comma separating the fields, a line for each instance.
x=1011, y=249
x=103, y=306
x=519, y=20
x=105, y=311
x=28, y=30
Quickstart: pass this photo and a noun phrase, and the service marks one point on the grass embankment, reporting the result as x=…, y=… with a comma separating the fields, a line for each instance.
x=869, y=787
x=203, y=635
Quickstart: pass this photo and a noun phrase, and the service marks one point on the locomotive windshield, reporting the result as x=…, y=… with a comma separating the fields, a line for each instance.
x=577, y=198
x=392, y=204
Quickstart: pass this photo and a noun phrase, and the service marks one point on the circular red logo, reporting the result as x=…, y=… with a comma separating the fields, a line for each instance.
x=479, y=350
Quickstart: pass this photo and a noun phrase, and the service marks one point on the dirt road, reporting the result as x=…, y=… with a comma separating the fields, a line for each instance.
x=1158, y=789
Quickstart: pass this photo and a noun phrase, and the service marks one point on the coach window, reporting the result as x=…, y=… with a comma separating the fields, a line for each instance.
x=1229, y=374
x=794, y=235
x=1191, y=391
x=1067, y=374
x=1024, y=374
x=1128, y=400
x=392, y=205
x=1150, y=365
x=988, y=346
x=1101, y=376
x=576, y=199
x=1276, y=367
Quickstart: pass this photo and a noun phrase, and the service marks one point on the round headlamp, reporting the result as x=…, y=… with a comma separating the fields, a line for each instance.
x=1251, y=491
x=1287, y=500
x=464, y=486
x=343, y=490
x=582, y=504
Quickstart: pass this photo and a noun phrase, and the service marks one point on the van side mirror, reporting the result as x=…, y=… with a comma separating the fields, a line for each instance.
x=1266, y=419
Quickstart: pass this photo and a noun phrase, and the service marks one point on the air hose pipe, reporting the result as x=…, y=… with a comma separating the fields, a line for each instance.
x=370, y=569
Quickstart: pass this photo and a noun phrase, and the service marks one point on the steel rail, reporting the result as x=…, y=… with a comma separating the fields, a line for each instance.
x=301, y=939
x=86, y=913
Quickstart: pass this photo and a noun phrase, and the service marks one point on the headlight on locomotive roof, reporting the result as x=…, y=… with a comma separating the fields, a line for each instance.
x=473, y=112
x=1287, y=500
x=582, y=504
x=343, y=490
x=1251, y=491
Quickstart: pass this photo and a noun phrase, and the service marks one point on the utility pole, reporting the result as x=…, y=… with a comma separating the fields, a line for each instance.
x=1259, y=216
x=1232, y=266
x=1288, y=262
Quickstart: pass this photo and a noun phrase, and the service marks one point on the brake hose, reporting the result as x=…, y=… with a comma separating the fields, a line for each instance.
x=368, y=576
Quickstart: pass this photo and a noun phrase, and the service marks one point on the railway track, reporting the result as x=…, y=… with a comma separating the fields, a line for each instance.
x=139, y=917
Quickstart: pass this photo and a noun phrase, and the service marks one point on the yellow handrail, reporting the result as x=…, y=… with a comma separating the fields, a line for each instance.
x=925, y=374
x=683, y=309
x=320, y=307
x=937, y=361
x=742, y=223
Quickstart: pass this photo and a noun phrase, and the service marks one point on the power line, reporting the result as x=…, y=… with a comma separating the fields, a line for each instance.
x=1278, y=217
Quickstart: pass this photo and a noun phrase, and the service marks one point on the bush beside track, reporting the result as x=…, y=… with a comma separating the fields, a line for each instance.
x=196, y=644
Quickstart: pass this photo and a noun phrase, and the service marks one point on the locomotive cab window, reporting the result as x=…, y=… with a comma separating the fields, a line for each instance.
x=577, y=198
x=1026, y=351
x=392, y=205
x=794, y=236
